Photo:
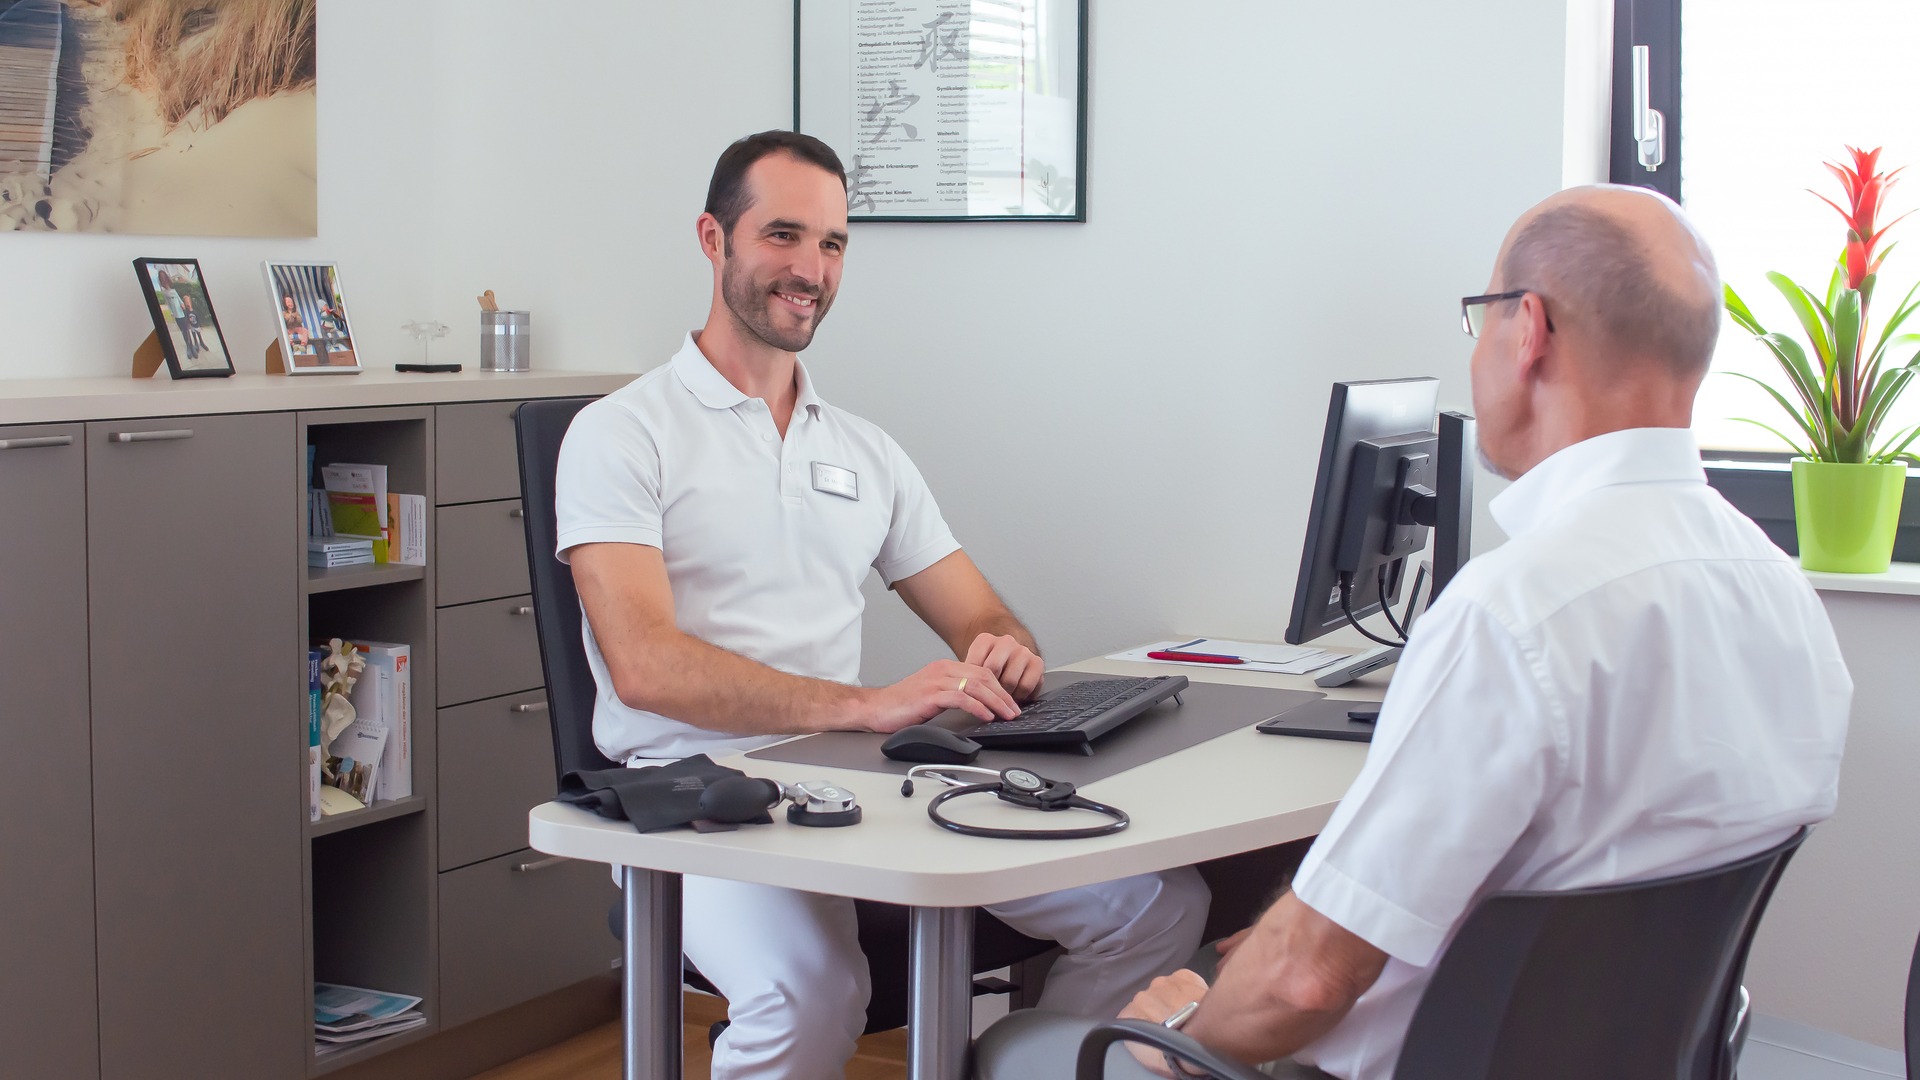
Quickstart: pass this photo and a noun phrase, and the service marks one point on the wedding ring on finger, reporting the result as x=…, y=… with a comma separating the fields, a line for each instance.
x=962, y=688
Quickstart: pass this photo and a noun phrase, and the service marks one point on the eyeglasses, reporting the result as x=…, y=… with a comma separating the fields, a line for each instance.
x=1473, y=309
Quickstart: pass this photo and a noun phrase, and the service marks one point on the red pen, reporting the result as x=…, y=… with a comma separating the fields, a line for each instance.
x=1195, y=657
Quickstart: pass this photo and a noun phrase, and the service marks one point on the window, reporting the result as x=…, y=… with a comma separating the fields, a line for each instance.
x=1756, y=94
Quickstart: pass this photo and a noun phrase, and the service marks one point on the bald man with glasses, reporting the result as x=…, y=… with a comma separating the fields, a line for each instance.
x=1637, y=684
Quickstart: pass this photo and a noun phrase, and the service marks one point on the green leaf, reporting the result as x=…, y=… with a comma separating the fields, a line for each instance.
x=1796, y=447
x=1906, y=307
x=1814, y=319
x=1838, y=280
x=1846, y=358
x=1742, y=315
x=1814, y=392
x=1881, y=401
x=1801, y=418
x=1900, y=450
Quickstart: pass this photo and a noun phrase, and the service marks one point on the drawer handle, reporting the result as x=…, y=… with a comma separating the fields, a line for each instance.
x=521, y=610
x=517, y=512
x=168, y=435
x=35, y=443
x=541, y=864
x=531, y=706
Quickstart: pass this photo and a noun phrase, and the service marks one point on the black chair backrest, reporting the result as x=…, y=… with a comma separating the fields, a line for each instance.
x=1913, y=1014
x=542, y=425
x=1626, y=980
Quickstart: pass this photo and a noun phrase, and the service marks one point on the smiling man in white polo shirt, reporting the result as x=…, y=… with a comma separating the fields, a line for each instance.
x=720, y=518
x=1636, y=685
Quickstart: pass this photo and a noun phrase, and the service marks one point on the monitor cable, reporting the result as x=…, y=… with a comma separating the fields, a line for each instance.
x=1346, y=608
x=1386, y=608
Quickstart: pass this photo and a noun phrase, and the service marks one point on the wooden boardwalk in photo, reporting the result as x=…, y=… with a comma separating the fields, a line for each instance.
x=29, y=69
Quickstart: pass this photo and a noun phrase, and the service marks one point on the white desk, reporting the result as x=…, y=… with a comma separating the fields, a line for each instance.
x=1236, y=793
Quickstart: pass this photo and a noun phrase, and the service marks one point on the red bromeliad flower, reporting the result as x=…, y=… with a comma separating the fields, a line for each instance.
x=1866, y=190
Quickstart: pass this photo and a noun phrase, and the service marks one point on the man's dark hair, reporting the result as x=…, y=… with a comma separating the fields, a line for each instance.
x=727, y=194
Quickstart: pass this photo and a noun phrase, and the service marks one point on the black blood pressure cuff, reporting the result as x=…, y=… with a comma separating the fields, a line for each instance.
x=652, y=799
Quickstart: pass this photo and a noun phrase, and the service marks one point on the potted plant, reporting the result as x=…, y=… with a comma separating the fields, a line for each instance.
x=1847, y=480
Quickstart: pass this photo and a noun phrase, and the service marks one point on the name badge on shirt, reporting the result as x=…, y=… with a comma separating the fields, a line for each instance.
x=835, y=480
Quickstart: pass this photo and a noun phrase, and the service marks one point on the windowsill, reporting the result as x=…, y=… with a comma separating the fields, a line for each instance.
x=1901, y=579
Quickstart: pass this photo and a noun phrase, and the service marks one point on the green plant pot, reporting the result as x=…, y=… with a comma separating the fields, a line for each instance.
x=1846, y=515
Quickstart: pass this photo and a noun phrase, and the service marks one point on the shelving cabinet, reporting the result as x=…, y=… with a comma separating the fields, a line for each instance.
x=168, y=903
x=48, y=994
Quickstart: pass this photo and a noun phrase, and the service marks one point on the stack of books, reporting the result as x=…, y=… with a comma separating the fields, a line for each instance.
x=331, y=551
x=344, y=1015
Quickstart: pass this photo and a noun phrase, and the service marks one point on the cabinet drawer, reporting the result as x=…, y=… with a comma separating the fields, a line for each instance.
x=475, y=456
x=509, y=934
x=486, y=650
x=496, y=763
x=482, y=552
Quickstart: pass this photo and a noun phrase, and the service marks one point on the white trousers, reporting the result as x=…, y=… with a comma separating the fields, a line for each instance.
x=790, y=966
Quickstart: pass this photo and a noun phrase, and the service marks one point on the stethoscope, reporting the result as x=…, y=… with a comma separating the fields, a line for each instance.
x=1019, y=787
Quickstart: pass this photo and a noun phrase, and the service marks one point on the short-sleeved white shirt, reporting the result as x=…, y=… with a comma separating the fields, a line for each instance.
x=762, y=561
x=1638, y=684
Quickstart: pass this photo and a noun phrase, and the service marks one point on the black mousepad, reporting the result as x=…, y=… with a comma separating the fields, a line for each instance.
x=1324, y=719
x=1209, y=711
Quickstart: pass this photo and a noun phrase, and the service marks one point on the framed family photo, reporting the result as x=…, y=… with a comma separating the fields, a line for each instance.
x=316, y=337
x=183, y=318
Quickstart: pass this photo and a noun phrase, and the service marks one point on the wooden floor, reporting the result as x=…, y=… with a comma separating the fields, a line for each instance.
x=595, y=1055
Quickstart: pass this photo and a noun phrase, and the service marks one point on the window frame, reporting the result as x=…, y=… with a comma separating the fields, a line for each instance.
x=1755, y=482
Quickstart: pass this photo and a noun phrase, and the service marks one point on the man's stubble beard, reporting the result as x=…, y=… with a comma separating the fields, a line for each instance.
x=749, y=302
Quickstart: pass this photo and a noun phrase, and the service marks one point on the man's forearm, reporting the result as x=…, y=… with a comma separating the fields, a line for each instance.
x=1294, y=978
x=1002, y=622
x=682, y=677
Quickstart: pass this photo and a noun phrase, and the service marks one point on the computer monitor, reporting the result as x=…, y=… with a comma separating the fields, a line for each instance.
x=1388, y=474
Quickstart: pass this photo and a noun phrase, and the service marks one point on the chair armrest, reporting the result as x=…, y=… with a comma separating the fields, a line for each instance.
x=1091, y=1064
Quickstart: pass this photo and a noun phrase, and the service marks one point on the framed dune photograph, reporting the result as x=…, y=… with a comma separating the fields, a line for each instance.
x=183, y=318
x=158, y=117
x=316, y=337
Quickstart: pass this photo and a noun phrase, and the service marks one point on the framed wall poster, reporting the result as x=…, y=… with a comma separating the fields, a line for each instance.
x=316, y=337
x=183, y=318
x=948, y=110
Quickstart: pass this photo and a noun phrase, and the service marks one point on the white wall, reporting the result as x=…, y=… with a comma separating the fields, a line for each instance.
x=1834, y=947
x=1119, y=417
x=73, y=306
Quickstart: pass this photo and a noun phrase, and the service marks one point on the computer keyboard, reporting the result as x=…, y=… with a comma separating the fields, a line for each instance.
x=1073, y=716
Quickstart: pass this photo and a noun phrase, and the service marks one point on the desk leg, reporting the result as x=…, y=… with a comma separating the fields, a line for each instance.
x=650, y=977
x=939, y=993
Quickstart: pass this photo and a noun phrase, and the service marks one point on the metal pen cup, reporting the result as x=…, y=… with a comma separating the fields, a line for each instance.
x=505, y=341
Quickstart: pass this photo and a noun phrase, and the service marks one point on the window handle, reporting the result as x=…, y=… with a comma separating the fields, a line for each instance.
x=1649, y=125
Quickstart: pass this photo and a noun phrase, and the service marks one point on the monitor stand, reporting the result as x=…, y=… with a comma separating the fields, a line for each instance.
x=1360, y=664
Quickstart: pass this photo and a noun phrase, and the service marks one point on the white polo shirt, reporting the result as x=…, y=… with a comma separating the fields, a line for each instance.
x=1638, y=684
x=766, y=541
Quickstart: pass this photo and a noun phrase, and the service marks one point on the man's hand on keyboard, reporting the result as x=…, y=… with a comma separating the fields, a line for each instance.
x=1018, y=668
x=941, y=685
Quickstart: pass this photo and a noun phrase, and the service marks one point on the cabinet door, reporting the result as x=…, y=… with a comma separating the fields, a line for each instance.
x=199, y=706
x=519, y=926
x=48, y=1022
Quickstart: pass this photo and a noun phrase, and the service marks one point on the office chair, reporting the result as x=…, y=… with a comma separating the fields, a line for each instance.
x=1639, y=980
x=541, y=426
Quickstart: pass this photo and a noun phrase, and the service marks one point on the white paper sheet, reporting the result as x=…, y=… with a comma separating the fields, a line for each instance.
x=1259, y=656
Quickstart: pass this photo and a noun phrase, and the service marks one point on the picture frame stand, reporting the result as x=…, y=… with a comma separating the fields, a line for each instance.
x=149, y=357
x=276, y=360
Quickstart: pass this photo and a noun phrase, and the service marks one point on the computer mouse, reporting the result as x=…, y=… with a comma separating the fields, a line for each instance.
x=927, y=744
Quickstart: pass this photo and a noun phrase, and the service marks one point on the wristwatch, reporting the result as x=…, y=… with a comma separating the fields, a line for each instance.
x=1172, y=1023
